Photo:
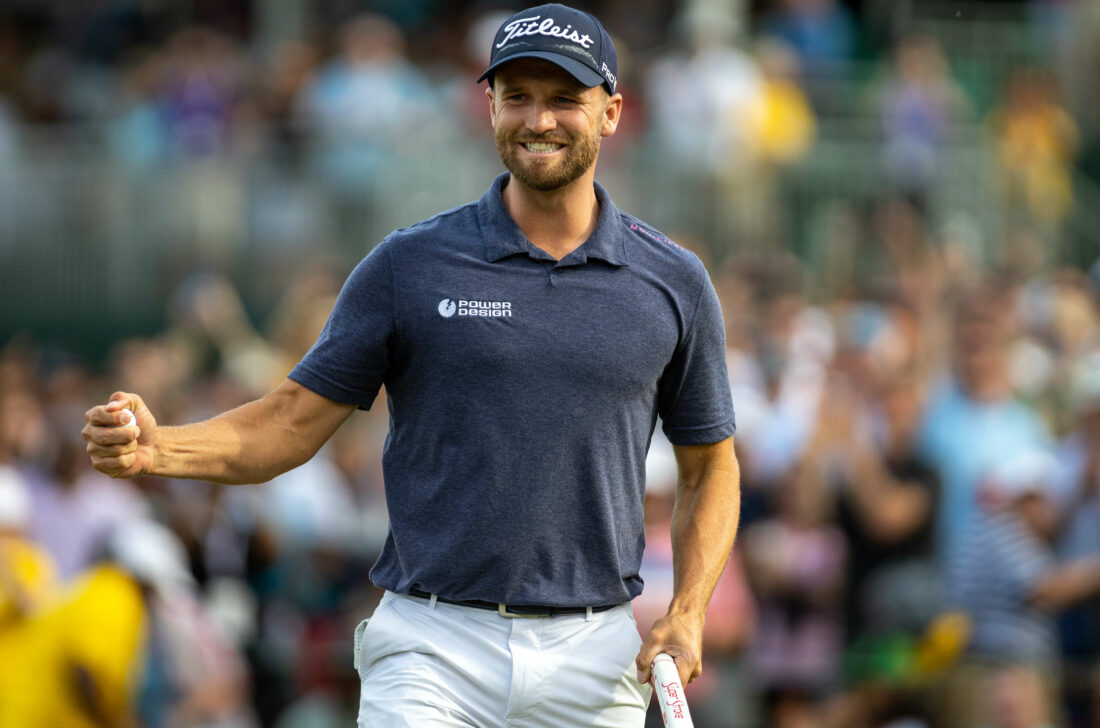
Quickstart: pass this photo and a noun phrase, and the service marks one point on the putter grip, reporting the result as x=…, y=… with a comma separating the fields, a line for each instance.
x=670, y=693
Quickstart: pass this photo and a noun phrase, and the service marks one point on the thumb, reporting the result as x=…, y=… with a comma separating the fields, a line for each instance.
x=120, y=401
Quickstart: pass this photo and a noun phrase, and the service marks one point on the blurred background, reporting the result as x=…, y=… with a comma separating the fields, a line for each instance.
x=898, y=201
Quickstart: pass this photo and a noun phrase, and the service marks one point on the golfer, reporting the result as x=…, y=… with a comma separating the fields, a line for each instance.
x=528, y=343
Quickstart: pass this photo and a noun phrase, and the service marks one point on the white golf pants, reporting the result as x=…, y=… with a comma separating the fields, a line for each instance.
x=434, y=665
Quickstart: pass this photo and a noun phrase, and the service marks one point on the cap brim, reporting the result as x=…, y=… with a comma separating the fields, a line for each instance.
x=576, y=69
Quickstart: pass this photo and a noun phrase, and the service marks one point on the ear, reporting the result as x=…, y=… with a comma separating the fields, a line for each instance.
x=611, y=113
x=492, y=105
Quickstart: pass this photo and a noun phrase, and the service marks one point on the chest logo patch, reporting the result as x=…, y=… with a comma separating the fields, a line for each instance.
x=448, y=307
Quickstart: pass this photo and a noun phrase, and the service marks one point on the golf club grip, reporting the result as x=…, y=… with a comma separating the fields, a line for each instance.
x=670, y=693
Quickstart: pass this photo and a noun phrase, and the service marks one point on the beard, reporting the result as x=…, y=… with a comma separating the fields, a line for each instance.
x=546, y=175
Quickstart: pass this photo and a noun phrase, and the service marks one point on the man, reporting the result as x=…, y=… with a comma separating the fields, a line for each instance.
x=527, y=342
x=973, y=417
x=1008, y=578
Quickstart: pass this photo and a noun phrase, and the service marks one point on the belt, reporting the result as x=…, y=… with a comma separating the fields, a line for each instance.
x=513, y=610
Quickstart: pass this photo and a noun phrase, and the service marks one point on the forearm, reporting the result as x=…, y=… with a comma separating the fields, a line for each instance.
x=252, y=443
x=1068, y=584
x=888, y=508
x=239, y=446
x=704, y=527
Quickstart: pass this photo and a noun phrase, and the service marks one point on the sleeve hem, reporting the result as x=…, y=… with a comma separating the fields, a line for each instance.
x=331, y=390
x=705, y=435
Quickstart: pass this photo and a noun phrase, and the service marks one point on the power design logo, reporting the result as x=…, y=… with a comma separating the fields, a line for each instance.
x=476, y=309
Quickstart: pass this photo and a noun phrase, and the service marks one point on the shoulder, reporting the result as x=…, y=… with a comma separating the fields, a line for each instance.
x=446, y=231
x=651, y=247
x=457, y=222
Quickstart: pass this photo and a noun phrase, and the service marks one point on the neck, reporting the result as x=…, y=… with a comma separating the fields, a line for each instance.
x=558, y=221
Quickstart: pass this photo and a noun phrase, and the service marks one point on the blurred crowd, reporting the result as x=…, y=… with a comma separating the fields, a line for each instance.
x=918, y=414
x=724, y=98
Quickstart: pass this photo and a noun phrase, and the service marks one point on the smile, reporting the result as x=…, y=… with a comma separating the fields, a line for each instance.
x=542, y=147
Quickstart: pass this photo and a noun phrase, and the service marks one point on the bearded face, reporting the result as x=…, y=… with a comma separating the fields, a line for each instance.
x=547, y=124
x=547, y=162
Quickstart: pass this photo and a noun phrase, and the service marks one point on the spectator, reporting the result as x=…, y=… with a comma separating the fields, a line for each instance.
x=702, y=98
x=1036, y=142
x=1078, y=496
x=887, y=497
x=363, y=107
x=203, y=85
x=28, y=577
x=136, y=131
x=290, y=67
x=781, y=133
x=786, y=124
x=1007, y=578
x=821, y=31
x=778, y=375
x=213, y=327
x=81, y=659
x=973, y=419
x=796, y=562
x=918, y=103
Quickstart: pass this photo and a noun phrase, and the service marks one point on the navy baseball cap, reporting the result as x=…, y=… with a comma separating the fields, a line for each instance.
x=571, y=39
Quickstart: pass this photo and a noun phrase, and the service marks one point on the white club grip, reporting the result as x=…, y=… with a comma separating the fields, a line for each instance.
x=670, y=693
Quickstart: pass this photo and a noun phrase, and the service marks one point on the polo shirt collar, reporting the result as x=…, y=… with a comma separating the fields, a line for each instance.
x=503, y=237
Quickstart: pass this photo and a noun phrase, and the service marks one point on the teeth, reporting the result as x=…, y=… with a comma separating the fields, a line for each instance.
x=541, y=147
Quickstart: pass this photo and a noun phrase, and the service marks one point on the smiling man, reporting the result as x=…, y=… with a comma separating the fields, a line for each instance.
x=528, y=343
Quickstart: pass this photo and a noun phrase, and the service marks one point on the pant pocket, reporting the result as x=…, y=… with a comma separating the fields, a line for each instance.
x=358, y=644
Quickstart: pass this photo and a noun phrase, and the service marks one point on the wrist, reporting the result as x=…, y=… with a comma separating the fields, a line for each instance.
x=686, y=611
x=155, y=461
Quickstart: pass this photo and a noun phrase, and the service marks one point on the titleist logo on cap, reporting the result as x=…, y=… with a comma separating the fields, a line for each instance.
x=531, y=26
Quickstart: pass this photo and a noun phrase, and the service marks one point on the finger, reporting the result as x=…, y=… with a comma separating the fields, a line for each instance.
x=115, y=467
x=644, y=661
x=101, y=416
x=120, y=400
x=131, y=409
x=110, y=434
x=688, y=664
x=689, y=671
x=121, y=411
x=111, y=450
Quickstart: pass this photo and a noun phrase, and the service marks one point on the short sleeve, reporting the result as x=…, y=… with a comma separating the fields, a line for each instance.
x=694, y=398
x=349, y=360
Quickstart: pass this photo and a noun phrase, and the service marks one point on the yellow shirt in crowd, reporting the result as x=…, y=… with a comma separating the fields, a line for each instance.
x=95, y=629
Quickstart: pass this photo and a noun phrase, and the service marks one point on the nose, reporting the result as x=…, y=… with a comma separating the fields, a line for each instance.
x=540, y=119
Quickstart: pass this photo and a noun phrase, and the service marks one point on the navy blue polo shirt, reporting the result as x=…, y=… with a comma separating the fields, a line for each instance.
x=522, y=395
